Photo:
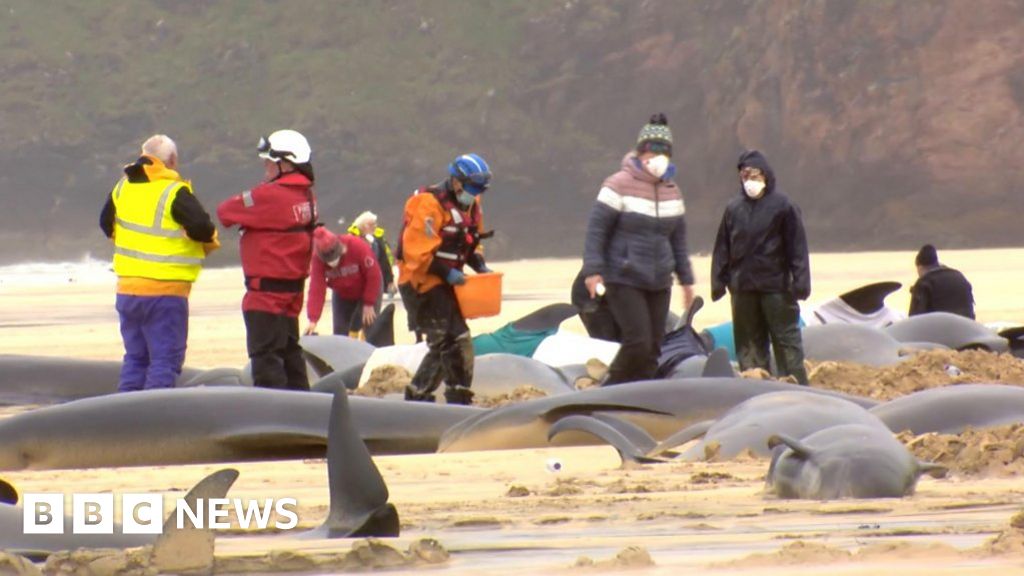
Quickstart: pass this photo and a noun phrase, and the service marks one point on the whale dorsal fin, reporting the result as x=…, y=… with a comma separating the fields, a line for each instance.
x=190, y=549
x=717, y=365
x=359, y=496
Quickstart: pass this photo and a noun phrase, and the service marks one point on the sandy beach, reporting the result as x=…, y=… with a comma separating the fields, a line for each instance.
x=506, y=513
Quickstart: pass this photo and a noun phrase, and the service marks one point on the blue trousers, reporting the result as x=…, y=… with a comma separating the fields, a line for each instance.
x=155, y=332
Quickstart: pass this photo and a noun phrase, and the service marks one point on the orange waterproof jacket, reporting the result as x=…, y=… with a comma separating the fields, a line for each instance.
x=427, y=225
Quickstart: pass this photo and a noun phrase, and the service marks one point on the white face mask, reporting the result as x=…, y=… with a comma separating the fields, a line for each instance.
x=753, y=188
x=657, y=165
x=465, y=198
x=333, y=263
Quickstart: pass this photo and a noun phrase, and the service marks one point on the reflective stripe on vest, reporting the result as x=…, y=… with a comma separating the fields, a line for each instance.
x=157, y=257
x=148, y=243
x=155, y=229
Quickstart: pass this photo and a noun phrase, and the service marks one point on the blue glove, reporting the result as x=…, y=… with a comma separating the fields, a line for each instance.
x=670, y=173
x=455, y=277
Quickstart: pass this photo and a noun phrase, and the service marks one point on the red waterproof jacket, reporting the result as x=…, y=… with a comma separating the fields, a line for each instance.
x=356, y=277
x=276, y=220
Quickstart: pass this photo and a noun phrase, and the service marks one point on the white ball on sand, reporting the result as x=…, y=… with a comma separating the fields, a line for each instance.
x=554, y=465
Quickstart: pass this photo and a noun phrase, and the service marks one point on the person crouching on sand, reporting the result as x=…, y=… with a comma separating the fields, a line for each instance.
x=345, y=264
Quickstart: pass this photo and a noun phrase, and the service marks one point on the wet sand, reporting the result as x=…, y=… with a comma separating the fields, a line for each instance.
x=505, y=513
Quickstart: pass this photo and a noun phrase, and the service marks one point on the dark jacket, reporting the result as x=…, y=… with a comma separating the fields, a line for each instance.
x=381, y=253
x=636, y=235
x=761, y=244
x=942, y=289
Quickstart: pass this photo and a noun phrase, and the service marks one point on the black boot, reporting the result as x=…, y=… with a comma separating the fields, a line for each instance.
x=416, y=395
x=458, y=395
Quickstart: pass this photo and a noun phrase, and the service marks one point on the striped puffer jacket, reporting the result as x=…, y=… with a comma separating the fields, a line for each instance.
x=636, y=234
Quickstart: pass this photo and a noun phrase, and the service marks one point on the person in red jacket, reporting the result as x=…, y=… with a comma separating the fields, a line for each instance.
x=276, y=219
x=345, y=263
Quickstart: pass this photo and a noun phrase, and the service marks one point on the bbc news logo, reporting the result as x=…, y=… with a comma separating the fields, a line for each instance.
x=144, y=513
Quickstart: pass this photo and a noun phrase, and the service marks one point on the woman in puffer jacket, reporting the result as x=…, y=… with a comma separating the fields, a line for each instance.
x=636, y=240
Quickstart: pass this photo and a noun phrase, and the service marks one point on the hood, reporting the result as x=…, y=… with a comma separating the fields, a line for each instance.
x=631, y=164
x=754, y=159
x=149, y=169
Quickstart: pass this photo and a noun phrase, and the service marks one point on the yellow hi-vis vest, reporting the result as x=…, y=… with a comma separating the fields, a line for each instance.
x=148, y=243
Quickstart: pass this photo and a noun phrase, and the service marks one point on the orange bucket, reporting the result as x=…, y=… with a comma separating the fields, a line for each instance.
x=480, y=296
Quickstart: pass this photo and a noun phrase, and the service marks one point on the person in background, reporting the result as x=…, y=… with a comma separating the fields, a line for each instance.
x=161, y=235
x=346, y=265
x=636, y=239
x=276, y=218
x=761, y=257
x=365, y=226
x=441, y=233
x=939, y=288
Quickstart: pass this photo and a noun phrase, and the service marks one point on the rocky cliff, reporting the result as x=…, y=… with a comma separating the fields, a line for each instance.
x=891, y=122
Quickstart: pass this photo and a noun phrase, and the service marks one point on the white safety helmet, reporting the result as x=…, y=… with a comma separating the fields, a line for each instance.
x=285, y=145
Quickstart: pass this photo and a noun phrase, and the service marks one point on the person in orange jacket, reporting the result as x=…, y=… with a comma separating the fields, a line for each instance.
x=441, y=234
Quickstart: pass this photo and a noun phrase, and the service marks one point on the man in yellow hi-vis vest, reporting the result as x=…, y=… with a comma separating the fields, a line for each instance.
x=161, y=235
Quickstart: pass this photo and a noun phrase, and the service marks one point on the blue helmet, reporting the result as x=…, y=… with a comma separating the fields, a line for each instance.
x=472, y=171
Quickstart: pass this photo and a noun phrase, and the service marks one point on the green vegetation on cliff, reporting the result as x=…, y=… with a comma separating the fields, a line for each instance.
x=891, y=123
